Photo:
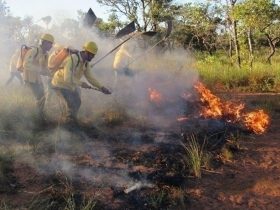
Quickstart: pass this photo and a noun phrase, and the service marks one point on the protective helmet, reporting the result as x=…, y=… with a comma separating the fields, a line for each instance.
x=90, y=47
x=47, y=37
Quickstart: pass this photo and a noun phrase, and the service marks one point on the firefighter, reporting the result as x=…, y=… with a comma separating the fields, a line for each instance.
x=49, y=92
x=35, y=64
x=66, y=80
x=13, y=69
x=121, y=61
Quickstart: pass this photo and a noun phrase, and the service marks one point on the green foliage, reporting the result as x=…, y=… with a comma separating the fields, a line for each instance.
x=256, y=13
x=194, y=155
x=196, y=27
x=158, y=199
x=111, y=26
x=146, y=14
x=218, y=71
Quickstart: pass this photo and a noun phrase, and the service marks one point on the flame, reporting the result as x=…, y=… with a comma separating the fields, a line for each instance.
x=257, y=121
x=215, y=108
x=155, y=96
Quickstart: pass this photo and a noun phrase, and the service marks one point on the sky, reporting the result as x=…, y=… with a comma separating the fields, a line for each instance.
x=54, y=8
x=57, y=8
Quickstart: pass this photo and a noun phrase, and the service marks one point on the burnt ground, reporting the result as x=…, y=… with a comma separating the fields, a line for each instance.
x=136, y=166
x=250, y=180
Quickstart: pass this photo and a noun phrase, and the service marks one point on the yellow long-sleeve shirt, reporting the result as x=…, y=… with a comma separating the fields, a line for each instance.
x=73, y=68
x=14, y=60
x=121, y=59
x=34, y=64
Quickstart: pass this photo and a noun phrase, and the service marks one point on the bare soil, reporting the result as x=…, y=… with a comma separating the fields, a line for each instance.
x=250, y=181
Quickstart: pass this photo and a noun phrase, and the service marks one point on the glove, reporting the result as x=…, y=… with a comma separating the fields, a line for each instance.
x=105, y=90
x=85, y=85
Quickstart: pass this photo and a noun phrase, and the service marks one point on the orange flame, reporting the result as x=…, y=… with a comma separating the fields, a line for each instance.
x=215, y=108
x=256, y=121
x=155, y=96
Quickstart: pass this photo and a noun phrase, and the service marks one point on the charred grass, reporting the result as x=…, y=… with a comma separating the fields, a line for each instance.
x=92, y=166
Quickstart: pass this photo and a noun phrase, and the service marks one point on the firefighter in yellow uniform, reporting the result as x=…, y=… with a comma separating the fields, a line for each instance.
x=49, y=92
x=34, y=65
x=121, y=61
x=66, y=80
x=13, y=69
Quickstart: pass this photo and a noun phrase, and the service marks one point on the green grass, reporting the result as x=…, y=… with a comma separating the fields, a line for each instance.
x=195, y=155
x=158, y=199
x=219, y=71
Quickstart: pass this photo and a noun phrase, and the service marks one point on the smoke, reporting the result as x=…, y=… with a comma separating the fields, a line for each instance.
x=169, y=73
x=75, y=152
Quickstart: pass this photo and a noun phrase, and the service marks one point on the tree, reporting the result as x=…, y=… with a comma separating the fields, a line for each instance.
x=262, y=16
x=196, y=27
x=4, y=9
x=233, y=22
x=111, y=26
x=147, y=14
x=47, y=20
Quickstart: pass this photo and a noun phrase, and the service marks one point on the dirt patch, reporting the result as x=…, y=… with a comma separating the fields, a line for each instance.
x=250, y=181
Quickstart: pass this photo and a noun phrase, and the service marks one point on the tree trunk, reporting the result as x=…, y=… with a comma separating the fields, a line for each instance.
x=207, y=46
x=235, y=36
x=230, y=48
x=236, y=43
x=251, y=52
x=272, y=48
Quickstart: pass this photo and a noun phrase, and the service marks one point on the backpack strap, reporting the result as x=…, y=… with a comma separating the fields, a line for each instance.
x=73, y=60
x=23, y=47
x=37, y=52
x=72, y=69
x=78, y=59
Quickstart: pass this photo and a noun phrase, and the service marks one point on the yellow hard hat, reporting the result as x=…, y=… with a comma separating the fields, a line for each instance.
x=91, y=47
x=47, y=37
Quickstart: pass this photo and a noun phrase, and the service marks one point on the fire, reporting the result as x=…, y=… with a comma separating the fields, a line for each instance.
x=215, y=108
x=155, y=96
x=256, y=121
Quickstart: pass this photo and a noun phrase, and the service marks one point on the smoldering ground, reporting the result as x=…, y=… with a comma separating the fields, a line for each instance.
x=96, y=153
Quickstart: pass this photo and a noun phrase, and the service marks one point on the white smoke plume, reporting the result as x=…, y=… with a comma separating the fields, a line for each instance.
x=170, y=73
